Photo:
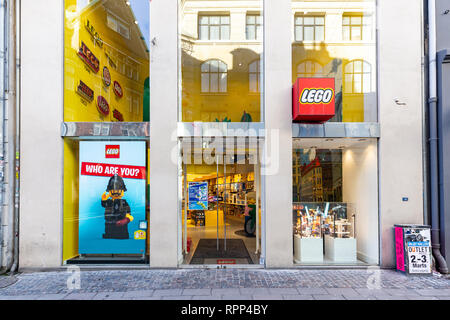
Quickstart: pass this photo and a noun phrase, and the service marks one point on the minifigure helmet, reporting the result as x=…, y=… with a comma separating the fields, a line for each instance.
x=116, y=183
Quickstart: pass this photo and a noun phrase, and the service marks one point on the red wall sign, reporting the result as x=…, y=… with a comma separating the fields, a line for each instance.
x=118, y=89
x=84, y=91
x=313, y=99
x=118, y=115
x=106, y=77
x=88, y=57
x=102, y=105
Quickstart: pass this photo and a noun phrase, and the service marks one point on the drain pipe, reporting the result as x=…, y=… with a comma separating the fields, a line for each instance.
x=3, y=72
x=9, y=131
x=441, y=264
x=15, y=40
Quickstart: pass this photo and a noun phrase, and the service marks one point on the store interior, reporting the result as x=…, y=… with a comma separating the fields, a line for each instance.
x=335, y=202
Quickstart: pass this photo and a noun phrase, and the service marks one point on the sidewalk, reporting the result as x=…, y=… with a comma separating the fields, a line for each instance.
x=225, y=284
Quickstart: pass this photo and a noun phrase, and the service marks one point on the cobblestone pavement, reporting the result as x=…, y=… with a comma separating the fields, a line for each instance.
x=227, y=284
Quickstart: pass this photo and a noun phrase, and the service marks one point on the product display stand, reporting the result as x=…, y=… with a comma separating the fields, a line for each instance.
x=308, y=249
x=340, y=249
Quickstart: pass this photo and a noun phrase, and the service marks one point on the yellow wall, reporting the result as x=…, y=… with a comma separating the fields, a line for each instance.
x=207, y=107
x=70, y=232
x=125, y=55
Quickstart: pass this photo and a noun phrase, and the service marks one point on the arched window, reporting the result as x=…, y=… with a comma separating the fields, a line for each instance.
x=309, y=69
x=357, y=77
x=214, y=76
x=254, y=76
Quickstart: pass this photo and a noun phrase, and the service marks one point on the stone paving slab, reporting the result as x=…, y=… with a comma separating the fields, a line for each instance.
x=197, y=292
x=52, y=297
x=111, y=296
x=228, y=284
x=297, y=297
x=228, y=291
x=133, y=294
x=343, y=291
x=267, y=297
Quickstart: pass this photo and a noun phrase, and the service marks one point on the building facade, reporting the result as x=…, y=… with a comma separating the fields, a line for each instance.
x=183, y=145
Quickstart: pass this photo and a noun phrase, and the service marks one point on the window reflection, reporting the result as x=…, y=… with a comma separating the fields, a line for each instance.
x=336, y=40
x=221, y=60
x=106, y=61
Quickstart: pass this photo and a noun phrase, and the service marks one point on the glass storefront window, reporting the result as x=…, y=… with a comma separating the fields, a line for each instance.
x=337, y=40
x=221, y=66
x=106, y=75
x=106, y=202
x=335, y=210
x=106, y=182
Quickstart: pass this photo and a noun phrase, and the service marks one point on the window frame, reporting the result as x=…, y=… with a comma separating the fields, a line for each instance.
x=302, y=25
x=364, y=27
x=305, y=74
x=364, y=64
x=255, y=25
x=218, y=72
x=220, y=25
x=258, y=76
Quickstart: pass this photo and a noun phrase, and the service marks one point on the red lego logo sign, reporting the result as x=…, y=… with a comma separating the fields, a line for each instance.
x=112, y=152
x=313, y=99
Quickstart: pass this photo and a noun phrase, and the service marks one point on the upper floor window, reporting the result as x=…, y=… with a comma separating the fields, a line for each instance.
x=254, y=27
x=254, y=74
x=214, y=76
x=115, y=24
x=214, y=27
x=309, y=69
x=356, y=27
x=309, y=28
x=357, y=77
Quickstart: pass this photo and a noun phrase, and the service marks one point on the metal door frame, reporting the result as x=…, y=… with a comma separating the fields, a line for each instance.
x=260, y=196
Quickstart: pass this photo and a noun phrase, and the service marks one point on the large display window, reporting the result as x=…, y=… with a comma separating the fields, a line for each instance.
x=335, y=201
x=106, y=92
x=106, y=202
x=221, y=46
x=106, y=64
x=337, y=40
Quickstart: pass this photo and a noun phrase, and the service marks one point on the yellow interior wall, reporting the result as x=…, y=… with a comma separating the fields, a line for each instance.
x=71, y=187
x=79, y=109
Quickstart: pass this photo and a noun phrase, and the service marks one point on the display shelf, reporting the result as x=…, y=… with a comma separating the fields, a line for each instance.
x=308, y=249
x=340, y=249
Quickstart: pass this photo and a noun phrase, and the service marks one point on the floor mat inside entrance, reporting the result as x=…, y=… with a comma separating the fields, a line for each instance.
x=207, y=249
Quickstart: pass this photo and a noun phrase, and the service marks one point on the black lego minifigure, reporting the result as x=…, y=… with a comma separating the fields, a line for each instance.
x=117, y=210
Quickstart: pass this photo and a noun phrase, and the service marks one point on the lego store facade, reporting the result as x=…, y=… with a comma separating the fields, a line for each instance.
x=185, y=133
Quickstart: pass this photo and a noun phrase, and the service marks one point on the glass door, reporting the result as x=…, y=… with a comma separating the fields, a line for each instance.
x=220, y=203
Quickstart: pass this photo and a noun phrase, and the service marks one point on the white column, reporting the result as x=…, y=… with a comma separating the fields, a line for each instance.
x=41, y=172
x=163, y=115
x=400, y=147
x=277, y=166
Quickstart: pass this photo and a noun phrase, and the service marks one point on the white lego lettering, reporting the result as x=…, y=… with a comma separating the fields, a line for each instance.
x=316, y=96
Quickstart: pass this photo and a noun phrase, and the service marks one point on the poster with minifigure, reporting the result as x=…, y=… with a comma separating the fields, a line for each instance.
x=112, y=190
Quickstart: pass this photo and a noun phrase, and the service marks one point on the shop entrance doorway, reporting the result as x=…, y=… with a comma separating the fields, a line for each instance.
x=221, y=204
